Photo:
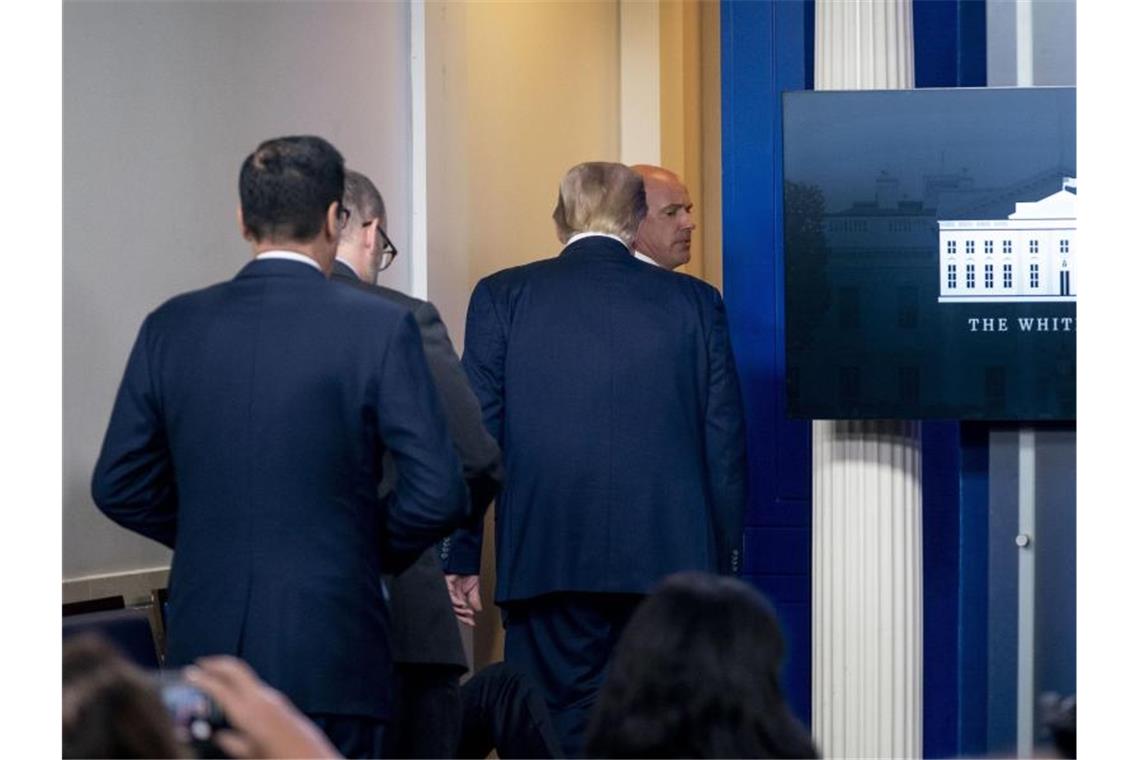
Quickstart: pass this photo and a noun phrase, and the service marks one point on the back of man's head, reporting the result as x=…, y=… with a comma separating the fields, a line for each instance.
x=650, y=172
x=598, y=196
x=286, y=187
x=363, y=202
x=360, y=244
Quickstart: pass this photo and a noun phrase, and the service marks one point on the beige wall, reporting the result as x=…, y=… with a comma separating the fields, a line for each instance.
x=690, y=120
x=711, y=215
x=517, y=93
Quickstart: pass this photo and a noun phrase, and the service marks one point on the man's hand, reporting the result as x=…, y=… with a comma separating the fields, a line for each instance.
x=464, y=593
x=265, y=723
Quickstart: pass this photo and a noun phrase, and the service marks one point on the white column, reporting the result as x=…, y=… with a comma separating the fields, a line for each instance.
x=1024, y=27
x=866, y=484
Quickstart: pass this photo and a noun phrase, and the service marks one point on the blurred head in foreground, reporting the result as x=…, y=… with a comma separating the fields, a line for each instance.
x=696, y=674
x=111, y=708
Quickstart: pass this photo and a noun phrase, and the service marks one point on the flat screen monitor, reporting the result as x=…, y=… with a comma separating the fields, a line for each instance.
x=930, y=254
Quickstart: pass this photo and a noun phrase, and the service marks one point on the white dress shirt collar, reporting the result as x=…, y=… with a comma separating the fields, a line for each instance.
x=289, y=256
x=580, y=235
x=642, y=257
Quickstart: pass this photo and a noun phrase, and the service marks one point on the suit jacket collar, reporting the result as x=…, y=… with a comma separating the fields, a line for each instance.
x=279, y=268
x=342, y=270
x=597, y=246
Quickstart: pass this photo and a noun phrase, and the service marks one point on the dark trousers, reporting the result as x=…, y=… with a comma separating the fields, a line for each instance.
x=427, y=711
x=564, y=642
x=504, y=711
x=353, y=736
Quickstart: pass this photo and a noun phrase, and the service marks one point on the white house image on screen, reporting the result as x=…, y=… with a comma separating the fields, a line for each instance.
x=1028, y=256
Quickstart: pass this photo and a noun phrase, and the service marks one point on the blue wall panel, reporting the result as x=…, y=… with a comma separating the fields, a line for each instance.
x=950, y=51
x=950, y=43
x=767, y=48
x=941, y=464
x=763, y=53
x=973, y=585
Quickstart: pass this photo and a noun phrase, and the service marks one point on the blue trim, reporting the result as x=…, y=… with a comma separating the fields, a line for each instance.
x=809, y=45
x=763, y=53
x=949, y=43
x=940, y=517
x=972, y=62
x=950, y=51
x=973, y=606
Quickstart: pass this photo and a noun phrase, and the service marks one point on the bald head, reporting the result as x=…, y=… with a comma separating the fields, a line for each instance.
x=666, y=234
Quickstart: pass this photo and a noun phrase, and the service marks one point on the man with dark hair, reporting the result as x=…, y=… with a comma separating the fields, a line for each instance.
x=611, y=388
x=248, y=435
x=286, y=184
x=426, y=647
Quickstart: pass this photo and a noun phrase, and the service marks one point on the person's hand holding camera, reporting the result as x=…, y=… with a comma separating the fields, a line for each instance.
x=264, y=722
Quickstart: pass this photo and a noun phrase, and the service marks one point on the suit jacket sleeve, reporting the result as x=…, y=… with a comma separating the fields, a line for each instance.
x=726, y=457
x=477, y=450
x=133, y=483
x=484, y=354
x=430, y=498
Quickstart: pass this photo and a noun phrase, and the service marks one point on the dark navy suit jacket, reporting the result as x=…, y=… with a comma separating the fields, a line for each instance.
x=424, y=629
x=248, y=435
x=611, y=388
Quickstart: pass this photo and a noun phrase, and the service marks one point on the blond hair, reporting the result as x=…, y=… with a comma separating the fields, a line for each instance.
x=598, y=196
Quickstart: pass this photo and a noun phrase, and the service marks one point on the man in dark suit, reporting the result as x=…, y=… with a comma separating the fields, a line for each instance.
x=610, y=386
x=248, y=435
x=426, y=646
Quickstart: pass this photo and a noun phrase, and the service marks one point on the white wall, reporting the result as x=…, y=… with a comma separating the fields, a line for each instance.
x=161, y=103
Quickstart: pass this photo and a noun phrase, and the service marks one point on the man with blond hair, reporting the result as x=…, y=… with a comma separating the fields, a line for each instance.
x=666, y=234
x=611, y=389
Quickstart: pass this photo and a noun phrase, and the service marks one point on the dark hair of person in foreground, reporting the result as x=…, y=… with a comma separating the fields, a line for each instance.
x=696, y=674
x=111, y=708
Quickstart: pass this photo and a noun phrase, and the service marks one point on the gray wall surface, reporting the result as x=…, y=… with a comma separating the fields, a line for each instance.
x=1054, y=541
x=161, y=103
x=1054, y=43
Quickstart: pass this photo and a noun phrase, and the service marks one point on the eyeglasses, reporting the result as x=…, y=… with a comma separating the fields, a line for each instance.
x=387, y=250
x=342, y=215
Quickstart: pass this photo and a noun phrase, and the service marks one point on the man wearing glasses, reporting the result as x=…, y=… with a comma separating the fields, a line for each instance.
x=365, y=250
x=426, y=647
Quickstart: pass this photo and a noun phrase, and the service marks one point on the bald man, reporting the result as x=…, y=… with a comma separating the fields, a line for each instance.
x=666, y=233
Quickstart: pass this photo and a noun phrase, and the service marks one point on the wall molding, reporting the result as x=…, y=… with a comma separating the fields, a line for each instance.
x=134, y=585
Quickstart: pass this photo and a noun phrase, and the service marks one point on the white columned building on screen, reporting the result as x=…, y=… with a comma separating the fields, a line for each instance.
x=1028, y=256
